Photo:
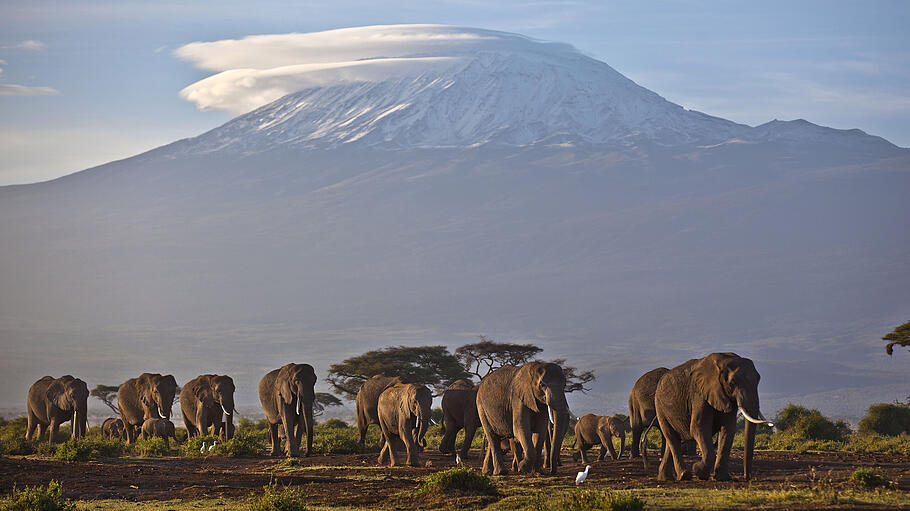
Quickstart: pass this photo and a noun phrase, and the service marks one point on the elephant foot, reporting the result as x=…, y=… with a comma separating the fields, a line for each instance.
x=575, y=456
x=722, y=476
x=501, y=472
x=701, y=471
x=685, y=475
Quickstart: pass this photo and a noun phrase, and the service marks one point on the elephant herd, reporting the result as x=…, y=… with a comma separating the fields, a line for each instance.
x=520, y=408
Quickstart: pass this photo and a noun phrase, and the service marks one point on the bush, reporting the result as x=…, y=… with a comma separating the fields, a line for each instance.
x=870, y=479
x=334, y=423
x=583, y=500
x=193, y=445
x=886, y=419
x=244, y=443
x=804, y=423
x=152, y=446
x=85, y=449
x=275, y=498
x=335, y=440
x=457, y=481
x=38, y=498
x=789, y=415
x=12, y=437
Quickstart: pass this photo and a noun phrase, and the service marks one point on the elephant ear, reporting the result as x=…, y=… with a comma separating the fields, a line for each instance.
x=407, y=402
x=57, y=394
x=707, y=375
x=170, y=381
x=526, y=380
x=285, y=392
x=200, y=388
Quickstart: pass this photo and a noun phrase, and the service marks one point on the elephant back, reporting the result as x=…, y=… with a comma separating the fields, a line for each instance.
x=641, y=398
x=494, y=399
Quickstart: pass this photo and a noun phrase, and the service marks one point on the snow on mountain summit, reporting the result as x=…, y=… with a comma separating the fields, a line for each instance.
x=419, y=86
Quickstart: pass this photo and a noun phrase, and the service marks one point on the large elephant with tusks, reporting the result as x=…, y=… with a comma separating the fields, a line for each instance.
x=52, y=401
x=699, y=398
x=519, y=402
x=203, y=401
x=150, y=396
x=287, y=395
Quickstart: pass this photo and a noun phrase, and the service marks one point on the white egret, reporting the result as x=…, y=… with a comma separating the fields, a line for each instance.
x=202, y=449
x=580, y=478
x=457, y=459
x=212, y=447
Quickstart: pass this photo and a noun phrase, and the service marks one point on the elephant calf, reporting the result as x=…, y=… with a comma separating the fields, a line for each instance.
x=161, y=428
x=597, y=429
x=113, y=429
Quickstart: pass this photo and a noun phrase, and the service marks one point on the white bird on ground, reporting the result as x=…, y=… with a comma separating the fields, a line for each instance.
x=202, y=449
x=457, y=459
x=580, y=478
x=212, y=447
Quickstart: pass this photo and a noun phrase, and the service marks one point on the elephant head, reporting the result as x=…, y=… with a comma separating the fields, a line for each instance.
x=417, y=404
x=70, y=395
x=156, y=393
x=618, y=428
x=223, y=394
x=296, y=384
x=729, y=382
x=542, y=389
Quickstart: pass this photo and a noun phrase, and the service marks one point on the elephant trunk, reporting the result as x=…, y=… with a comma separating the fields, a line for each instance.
x=749, y=449
x=622, y=444
x=558, y=411
x=753, y=416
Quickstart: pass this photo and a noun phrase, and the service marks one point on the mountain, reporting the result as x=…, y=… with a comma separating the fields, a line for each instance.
x=473, y=183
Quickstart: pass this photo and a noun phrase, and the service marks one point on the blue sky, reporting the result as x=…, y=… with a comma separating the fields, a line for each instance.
x=86, y=82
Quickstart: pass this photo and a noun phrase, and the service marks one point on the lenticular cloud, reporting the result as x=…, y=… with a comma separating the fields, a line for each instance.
x=257, y=70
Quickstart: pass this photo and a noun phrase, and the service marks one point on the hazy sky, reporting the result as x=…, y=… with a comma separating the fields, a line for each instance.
x=85, y=82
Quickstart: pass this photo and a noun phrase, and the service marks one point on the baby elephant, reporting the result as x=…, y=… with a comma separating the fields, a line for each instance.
x=162, y=428
x=597, y=429
x=113, y=429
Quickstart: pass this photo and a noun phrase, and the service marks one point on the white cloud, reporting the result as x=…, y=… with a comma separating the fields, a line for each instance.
x=256, y=70
x=9, y=89
x=29, y=44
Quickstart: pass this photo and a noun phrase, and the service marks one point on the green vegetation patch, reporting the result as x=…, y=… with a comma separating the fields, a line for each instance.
x=581, y=499
x=88, y=448
x=276, y=498
x=153, y=446
x=457, y=481
x=886, y=419
x=870, y=479
x=38, y=498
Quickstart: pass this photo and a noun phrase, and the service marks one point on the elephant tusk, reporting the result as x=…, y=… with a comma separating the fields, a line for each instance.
x=225, y=411
x=434, y=422
x=161, y=413
x=550, y=415
x=760, y=420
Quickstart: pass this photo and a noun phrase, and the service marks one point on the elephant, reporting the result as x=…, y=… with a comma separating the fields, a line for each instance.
x=591, y=430
x=641, y=405
x=112, y=428
x=459, y=410
x=150, y=396
x=52, y=401
x=367, y=400
x=287, y=395
x=518, y=402
x=161, y=428
x=699, y=398
x=404, y=416
x=203, y=400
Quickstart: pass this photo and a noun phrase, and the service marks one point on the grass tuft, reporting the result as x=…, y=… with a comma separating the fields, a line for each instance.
x=457, y=481
x=870, y=479
x=275, y=498
x=583, y=500
x=38, y=498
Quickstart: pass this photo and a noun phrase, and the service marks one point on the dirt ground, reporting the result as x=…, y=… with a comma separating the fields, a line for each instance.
x=356, y=480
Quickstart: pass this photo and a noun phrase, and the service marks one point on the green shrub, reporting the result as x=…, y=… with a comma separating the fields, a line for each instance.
x=85, y=449
x=12, y=437
x=886, y=419
x=193, y=445
x=457, y=481
x=152, y=446
x=334, y=440
x=583, y=500
x=244, y=443
x=334, y=423
x=789, y=415
x=275, y=498
x=868, y=478
x=38, y=498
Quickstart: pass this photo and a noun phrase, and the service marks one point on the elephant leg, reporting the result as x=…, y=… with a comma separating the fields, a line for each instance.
x=724, y=443
x=289, y=420
x=583, y=450
x=384, y=452
x=273, y=436
x=672, y=453
x=636, y=439
x=494, y=451
x=404, y=433
x=41, y=429
x=190, y=429
x=702, y=431
x=523, y=436
x=469, y=431
x=308, y=423
x=606, y=444
x=32, y=424
x=487, y=461
x=54, y=429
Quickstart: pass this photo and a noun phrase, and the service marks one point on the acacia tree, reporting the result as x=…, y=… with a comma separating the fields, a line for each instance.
x=900, y=336
x=324, y=400
x=488, y=355
x=107, y=394
x=485, y=356
x=432, y=366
